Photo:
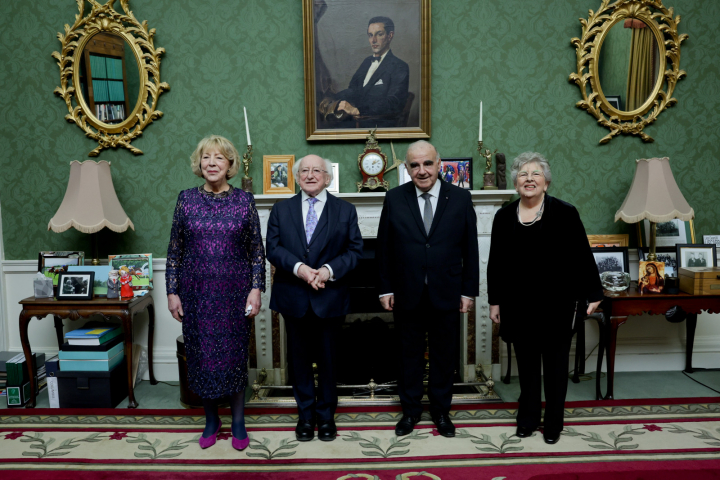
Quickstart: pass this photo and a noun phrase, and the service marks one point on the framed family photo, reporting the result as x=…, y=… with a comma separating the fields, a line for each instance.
x=278, y=174
x=367, y=65
x=692, y=255
x=457, y=171
x=75, y=286
x=611, y=259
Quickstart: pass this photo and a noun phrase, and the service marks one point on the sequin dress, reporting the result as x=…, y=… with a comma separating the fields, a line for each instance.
x=215, y=257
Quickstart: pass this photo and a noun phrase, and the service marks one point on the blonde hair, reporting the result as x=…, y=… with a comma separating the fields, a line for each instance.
x=222, y=145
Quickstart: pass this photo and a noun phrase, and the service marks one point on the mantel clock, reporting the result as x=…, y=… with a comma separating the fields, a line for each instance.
x=372, y=164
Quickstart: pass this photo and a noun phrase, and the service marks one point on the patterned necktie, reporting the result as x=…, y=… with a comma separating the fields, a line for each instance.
x=428, y=214
x=312, y=219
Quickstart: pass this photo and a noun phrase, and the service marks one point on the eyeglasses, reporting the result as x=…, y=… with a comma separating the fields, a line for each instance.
x=535, y=175
x=306, y=171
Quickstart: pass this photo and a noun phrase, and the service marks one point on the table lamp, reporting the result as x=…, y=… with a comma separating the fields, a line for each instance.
x=655, y=196
x=90, y=203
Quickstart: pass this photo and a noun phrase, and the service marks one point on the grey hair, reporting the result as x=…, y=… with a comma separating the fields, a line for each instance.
x=296, y=169
x=530, y=157
x=420, y=145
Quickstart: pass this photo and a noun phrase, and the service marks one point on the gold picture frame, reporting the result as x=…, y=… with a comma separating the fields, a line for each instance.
x=614, y=240
x=281, y=167
x=329, y=66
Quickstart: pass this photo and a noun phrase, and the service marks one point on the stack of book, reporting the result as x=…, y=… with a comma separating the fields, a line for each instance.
x=4, y=357
x=93, y=349
x=18, y=379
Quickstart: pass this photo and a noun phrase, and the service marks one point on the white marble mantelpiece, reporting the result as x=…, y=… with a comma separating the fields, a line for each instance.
x=369, y=207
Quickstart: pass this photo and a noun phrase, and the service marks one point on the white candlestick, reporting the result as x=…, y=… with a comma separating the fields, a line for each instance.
x=480, y=134
x=247, y=130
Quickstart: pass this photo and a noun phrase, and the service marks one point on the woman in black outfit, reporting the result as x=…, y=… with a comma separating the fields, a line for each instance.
x=541, y=271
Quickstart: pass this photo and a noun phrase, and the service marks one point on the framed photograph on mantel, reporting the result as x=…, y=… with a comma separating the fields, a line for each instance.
x=457, y=171
x=278, y=174
x=367, y=65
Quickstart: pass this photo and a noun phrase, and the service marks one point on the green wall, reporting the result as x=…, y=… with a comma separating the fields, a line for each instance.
x=514, y=55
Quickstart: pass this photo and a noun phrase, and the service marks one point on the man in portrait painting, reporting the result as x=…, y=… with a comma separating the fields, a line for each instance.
x=378, y=92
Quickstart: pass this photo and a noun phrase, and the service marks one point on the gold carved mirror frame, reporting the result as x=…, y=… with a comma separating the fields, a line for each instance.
x=595, y=29
x=104, y=19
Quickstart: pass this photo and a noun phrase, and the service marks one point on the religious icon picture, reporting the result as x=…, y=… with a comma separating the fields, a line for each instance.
x=278, y=174
x=457, y=171
x=651, y=278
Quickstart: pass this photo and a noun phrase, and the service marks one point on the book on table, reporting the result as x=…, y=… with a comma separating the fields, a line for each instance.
x=66, y=347
x=92, y=336
x=100, y=365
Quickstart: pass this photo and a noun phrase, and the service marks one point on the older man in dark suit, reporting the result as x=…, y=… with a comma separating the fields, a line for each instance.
x=314, y=241
x=429, y=273
x=380, y=86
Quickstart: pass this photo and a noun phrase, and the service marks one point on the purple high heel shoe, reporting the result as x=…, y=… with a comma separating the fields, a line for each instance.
x=209, y=441
x=240, y=444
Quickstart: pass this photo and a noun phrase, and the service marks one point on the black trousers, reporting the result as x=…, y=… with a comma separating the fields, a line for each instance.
x=443, y=333
x=555, y=357
x=313, y=339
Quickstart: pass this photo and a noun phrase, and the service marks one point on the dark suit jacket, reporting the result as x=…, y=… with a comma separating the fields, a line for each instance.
x=336, y=241
x=448, y=256
x=388, y=98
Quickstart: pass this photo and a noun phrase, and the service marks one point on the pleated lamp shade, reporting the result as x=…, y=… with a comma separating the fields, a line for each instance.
x=654, y=195
x=90, y=202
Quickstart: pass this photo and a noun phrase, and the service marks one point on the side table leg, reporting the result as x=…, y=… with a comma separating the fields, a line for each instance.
x=603, y=327
x=58, y=330
x=128, y=330
x=614, y=325
x=690, y=325
x=25, y=341
x=151, y=342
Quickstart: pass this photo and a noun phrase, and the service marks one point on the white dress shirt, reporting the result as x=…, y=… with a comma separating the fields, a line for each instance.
x=319, y=206
x=373, y=67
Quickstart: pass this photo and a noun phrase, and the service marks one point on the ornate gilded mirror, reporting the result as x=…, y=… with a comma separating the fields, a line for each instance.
x=628, y=64
x=109, y=75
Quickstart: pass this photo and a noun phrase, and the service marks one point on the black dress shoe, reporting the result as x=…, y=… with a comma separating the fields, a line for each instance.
x=406, y=425
x=327, y=431
x=444, y=426
x=305, y=431
x=524, y=432
x=551, y=438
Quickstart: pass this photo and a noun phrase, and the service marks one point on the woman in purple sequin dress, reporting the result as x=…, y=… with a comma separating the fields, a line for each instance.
x=215, y=273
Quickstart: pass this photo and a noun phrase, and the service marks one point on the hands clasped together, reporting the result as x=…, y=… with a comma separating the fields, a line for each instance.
x=315, y=278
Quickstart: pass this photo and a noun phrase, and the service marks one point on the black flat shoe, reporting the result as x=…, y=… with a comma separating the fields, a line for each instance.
x=327, y=431
x=305, y=431
x=524, y=432
x=551, y=438
x=444, y=425
x=406, y=425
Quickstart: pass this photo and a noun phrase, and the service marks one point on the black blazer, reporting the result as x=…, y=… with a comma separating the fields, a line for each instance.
x=564, y=268
x=448, y=256
x=336, y=241
x=388, y=98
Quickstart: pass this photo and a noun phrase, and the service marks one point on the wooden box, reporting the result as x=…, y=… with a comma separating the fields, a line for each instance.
x=700, y=280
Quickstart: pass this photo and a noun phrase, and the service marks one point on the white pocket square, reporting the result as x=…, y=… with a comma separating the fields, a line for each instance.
x=379, y=82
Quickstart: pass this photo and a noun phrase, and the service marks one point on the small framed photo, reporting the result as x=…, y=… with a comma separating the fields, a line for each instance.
x=711, y=239
x=651, y=277
x=667, y=255
x=277, y=174
x=692, y=255
x=457, y=171
x=75, y=286
x=138, y=266
x=614, y=101
x=51, y=264
x=616, y=240
x=334, y=186
x=403, y=175
x=611, y=259
x=668, y=234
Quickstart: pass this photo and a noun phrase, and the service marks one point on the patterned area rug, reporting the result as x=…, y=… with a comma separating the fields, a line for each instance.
x=631, y=439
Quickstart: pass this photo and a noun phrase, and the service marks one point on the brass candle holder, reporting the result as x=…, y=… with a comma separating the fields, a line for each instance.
x=488, y=176
x=247, y=179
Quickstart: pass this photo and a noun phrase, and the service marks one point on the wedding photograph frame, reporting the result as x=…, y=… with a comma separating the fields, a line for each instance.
x=700, y=252
x=336, y=54
x=281, y=166
x=611, y=259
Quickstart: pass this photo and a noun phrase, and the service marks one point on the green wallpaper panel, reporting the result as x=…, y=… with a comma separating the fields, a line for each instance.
x=514, y=55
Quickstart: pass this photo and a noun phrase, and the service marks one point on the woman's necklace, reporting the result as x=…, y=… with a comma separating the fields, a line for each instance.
x=537, y=215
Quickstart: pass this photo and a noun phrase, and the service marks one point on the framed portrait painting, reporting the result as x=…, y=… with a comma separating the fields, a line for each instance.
x=278, y=174
x=367, y=65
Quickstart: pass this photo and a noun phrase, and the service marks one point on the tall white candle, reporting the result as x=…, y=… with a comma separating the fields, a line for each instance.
x=480, y=134
x=247, y=130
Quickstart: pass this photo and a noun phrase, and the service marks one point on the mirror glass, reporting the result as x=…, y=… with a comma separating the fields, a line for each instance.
x=109, y=78
x=629, y=64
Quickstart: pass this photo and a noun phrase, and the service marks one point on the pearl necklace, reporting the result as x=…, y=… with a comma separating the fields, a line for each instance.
x=537, y=215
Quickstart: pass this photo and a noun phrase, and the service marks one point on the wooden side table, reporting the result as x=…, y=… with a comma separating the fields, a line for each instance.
x=618, y=307
x=125, y=310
